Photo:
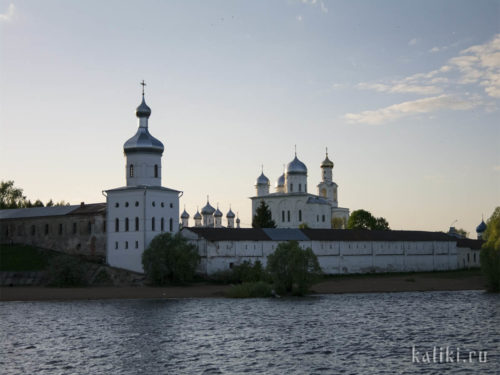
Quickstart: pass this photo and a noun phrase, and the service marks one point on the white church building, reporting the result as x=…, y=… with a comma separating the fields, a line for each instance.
x=142, y=209
x=292, y=206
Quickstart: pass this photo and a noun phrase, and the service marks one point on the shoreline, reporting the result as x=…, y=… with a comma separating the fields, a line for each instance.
x=423, y=282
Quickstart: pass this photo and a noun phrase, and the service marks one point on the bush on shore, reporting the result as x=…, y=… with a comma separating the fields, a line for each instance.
x=259, y=289
x=66, y=271
x=490, y=253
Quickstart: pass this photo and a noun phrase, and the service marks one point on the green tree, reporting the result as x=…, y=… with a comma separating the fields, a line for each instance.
x=11, y=196
x=292, y=269
x=304, y=226
x=462, y=232
x=263, y=217
x=338, y=223
x=362, y=219
x=170, y=259
x=49, y=203
x=490, y=253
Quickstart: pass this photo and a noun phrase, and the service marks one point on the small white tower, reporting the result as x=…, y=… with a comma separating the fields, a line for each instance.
x=262, y=184
x=185, y=218
x=327, y=188
x=197, y=218
x=218, y=217
x=230, y=218
x=296, y=176
x=208, y=215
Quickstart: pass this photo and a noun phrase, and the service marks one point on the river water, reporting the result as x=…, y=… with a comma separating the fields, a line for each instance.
x=382, y=333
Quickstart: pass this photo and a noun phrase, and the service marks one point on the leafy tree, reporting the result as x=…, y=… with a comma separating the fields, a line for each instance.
x=263, y=217
x=49, y=203
x=38, y=203
x=11, y=196
x=65, y=270
x=170, y=258
x=338, y=223
x=292, y=269
x=304, y=226
x=361, y=219
x=490, y=253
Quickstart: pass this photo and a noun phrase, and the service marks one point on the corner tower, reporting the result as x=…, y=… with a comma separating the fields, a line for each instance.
x=327, y=188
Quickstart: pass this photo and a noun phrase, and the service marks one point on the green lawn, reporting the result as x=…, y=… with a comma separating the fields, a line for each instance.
x=23, y=258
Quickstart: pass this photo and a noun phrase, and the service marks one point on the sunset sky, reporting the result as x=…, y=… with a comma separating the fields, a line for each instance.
x=405, y=95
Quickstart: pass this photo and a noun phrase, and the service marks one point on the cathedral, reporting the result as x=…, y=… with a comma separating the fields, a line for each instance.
x=292, y=206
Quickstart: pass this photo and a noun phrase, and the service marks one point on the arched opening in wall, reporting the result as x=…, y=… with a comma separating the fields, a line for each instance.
x=156, y=170
x=153, y=224
x=283, y=216
x=468, y=258
x=33, y=230
x=46, y=229
x=162, y=224
x=474, y=257
x=75, y=228
x=291, y=188
x=89, y=227
x=60, y=228
x=300, y=188
x=171, y=224
x=131, y=170
x=288, y=215
x=126, y=224
x=300, y=215
x=117, y=225
x=126, y=244
x=136, y=224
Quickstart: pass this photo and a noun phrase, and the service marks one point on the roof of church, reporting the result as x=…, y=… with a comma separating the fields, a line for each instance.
x=470, y=243
x=287, y=234
x=142, y=187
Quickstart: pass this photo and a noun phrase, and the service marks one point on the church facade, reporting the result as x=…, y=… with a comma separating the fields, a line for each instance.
x=292, y=206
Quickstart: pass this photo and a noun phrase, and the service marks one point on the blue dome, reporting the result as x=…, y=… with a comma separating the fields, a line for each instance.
x=197, y=216
x=296, y=167
x=143, y=141
x=218, y=213
x=481, y=227
x=230, y=214
x=207, y=210
x=281, y=181
x=262, y=180
x=185, y=215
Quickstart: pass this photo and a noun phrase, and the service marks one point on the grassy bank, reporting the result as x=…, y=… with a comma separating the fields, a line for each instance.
x=24, y=258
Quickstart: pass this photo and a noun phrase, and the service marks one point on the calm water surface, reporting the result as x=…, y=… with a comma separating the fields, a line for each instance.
x=334, y=334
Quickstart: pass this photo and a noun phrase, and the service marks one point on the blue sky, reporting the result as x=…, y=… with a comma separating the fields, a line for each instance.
x=404, y=94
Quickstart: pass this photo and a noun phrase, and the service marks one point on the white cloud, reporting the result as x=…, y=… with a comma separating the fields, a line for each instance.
x=323, y=7
x=409, y=108
x=401, y=87
x=434, y=49
x=299, y=18
x=413, y=41
x=9, y=15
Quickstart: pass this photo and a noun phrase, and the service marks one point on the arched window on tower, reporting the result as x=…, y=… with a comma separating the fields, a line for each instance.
x=126, y=224
x=153, y=224
x=136, y=224
x=162, y=224
x=300, y=215
x=156, y=170
x=171, y=224
x=131, y=170
x=117, y=225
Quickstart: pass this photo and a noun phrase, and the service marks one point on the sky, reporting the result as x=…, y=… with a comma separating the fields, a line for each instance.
x=405, y=95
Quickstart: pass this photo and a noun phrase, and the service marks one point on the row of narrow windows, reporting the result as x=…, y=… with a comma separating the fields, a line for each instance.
x=47, y=229
x=127, y=224
x=300, y=188
x=126, y=245
x=162, y=204
x=131, y=170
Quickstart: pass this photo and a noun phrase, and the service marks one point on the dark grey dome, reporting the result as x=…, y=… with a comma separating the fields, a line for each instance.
x=481, y=227
x=197, y=216
x=218, y=213
x=143, y=141
x=327, y=163
x=296, y=167
x=184, y=215
x=230, y=214
x=262, y=180
x=143, y=110
x=207, y=210
x=281, y=181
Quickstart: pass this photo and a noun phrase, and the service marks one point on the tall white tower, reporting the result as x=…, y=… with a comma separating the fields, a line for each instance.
x=197, y=219
x=327, y=188
x=185, y=219
x=142, y=209
x=218, y=218
x=208, y=214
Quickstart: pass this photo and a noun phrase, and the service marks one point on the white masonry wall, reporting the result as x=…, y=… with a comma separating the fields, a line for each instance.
x=336, y=257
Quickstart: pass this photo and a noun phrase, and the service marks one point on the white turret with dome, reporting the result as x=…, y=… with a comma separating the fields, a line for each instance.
x=262, y=184
x=296, y=176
